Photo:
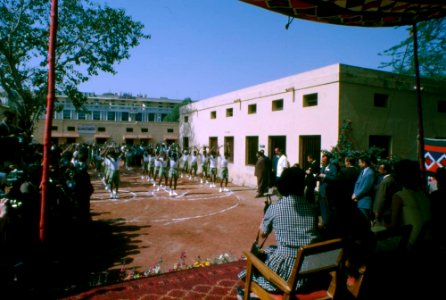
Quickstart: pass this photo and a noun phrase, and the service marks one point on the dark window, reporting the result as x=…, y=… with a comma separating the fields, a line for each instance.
x=252, y=109
x=213, y=114
x=144, y=130
x=111, y=116
x=310, y=100
x=71, y=128
x=252, y=146
x=382, y=142
x=67, y=114
x=124, y=116
x=81, y=115
x=277, y=105
x=129, y=129
x=151, y=117
x=53, y=128
x=96, y=115
x=441, y=106
x=170, y=130
x=380, y=100
x=186, y=119
x=138, y=117
x=101, y=129
x=229, y=147
x=229, y=112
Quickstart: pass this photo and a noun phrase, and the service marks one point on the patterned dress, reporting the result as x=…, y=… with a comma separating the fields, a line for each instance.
x=294, y=222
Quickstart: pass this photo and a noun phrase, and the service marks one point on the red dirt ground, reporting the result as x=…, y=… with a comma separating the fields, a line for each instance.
x=199, y=222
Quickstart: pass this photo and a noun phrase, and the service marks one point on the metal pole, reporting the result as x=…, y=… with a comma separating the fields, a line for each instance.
x=419, y=102
x=49, y=118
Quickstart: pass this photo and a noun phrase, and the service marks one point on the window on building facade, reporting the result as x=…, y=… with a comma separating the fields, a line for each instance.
x=101, y=129
x=67, y=114
x=252, y=146
x=252, y=109
x=441, y=106
x=96, y=115
x=111, y=116
x=380, y=100
x=186, y=119
x=163, y=116
x=129, y=129
x=151, y=117
x=81, y=115
x=229, y=147
x=170, y=130
x=124, y=116
x=277, y=105
x=310, y=100
x=213, y=114
x=71, y=128
x=144, y=130
x=382, y=142
x=213, y=142
x=54, y=128
x=229, y=112
x=138, y=117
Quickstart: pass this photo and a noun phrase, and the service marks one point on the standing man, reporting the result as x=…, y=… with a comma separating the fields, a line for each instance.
x=363, y=191
x=327, y=178
x=384, y=193
x=282, y=163
x=260, y=172
x=312, y=171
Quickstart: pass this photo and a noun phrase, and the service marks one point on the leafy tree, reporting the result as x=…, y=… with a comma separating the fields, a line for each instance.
x=174, y=115
x=431, y=51
x=90, y=38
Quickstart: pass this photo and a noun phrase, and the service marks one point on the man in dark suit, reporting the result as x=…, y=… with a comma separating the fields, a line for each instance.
x=260, y=172
x=363, y=192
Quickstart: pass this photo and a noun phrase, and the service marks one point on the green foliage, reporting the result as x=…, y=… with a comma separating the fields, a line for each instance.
x=345, y=148
x=431, y=51
x=174, y=115
x=90, y=38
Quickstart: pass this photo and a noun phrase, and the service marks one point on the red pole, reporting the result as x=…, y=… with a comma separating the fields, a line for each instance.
x=419, y=102
x=49, y=119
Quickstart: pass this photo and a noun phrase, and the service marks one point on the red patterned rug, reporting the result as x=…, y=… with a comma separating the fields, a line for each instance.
x=214, y=282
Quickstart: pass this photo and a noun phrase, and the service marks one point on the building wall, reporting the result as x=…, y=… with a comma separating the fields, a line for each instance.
x=343, y=93
x=293, y=121
x=399, y=119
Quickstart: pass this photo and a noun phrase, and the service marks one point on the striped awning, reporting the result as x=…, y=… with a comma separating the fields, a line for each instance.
x=65, y=134
x=366, y=13
x=102, y=135
x=170, y=137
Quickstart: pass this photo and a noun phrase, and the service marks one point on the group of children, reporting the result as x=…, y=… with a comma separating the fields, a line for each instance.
x=168, y=165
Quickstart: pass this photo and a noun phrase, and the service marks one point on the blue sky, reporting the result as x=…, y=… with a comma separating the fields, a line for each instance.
x=203, y=48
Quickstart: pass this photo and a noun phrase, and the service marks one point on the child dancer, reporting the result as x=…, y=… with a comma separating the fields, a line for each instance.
x=193, y=165
x=204, y=167
x=224, y=172
x=173, y=174
x=213, y=167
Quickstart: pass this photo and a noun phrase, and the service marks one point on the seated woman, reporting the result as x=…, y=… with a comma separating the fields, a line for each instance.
x=294, y=222
x=411, y=204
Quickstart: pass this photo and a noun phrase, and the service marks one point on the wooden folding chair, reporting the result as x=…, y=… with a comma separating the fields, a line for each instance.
x=322, y=258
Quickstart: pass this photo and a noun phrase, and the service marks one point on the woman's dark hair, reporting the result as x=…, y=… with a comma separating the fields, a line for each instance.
x=291, y=182
x=407, y=173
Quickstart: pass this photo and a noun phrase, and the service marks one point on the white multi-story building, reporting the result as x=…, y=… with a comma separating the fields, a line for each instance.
x=304, y=113
x=120, y=118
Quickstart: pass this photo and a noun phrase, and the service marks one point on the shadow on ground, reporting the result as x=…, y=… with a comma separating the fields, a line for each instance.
x=74, y=258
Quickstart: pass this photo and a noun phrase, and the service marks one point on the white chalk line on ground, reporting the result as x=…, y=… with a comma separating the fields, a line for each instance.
x=153, y=194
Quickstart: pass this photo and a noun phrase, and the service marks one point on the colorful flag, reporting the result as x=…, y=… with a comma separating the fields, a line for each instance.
x=434, y=155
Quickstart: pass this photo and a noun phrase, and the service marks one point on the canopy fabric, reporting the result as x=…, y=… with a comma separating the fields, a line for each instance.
x=366, y=13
